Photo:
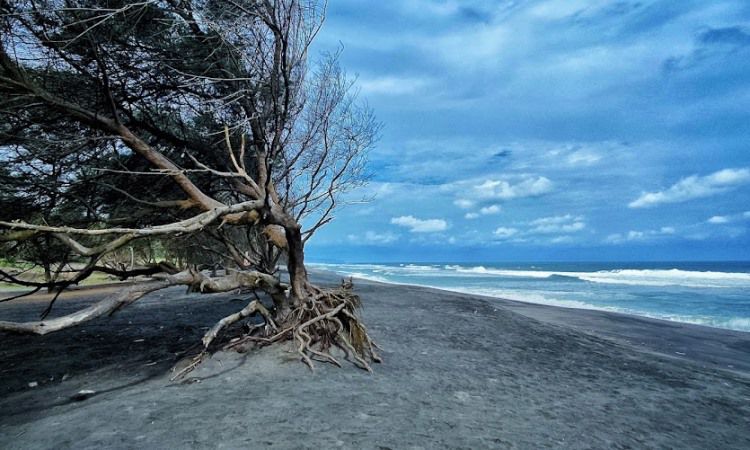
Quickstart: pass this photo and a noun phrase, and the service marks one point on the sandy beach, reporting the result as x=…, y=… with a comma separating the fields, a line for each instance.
x=459, y=371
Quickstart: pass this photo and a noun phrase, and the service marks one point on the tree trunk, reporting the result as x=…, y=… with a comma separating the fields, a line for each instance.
x=296, y=263
x=47, y=274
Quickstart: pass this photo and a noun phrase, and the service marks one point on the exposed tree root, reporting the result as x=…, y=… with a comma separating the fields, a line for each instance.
x=325, y=319
x=254, y=307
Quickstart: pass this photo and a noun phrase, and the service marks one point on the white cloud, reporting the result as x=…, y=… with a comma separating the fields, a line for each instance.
x=718, y=219
x=391, y=85
x=505, y=233
x=550, y=230
x=729, y=218
x=694, y=187
x=380, y=238
x=614, y=238
x=463, y=203
x=583, y=158
x=373, y=238
x=420, y=225
x=633, y=235
x=490, y=210
x=558, y=9
x=503, y=190
x=555, y=220
x=557, y=224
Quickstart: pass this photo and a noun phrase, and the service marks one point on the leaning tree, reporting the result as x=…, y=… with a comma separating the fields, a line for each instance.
x=173, y=121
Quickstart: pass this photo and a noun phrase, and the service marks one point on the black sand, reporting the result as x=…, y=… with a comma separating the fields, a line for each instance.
x=459, y=372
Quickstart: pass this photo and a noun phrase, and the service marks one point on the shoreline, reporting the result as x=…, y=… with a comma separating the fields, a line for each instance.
x=564, y=304
x=711, y=347
x=459, y=371
x=714, y=347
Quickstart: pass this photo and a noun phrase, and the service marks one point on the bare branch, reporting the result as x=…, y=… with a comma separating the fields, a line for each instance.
x=102, y=308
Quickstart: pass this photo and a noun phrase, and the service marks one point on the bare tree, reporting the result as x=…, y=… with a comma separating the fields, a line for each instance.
x=204, y=119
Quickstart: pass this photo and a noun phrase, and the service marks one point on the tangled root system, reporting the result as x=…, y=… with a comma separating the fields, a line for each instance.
x=326, y=319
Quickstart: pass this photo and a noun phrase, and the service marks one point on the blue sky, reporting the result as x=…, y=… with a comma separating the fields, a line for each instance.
x=548, y=130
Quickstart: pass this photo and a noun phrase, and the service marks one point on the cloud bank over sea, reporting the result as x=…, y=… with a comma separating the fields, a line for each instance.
x=630, y=118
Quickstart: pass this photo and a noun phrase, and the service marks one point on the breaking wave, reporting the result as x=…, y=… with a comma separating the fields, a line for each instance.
x=635, y=277
x=711, y=298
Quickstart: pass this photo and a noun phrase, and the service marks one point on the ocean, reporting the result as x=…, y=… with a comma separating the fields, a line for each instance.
x=715, y=294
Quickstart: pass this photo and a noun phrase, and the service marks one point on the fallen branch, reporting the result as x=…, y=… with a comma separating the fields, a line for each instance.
x=102, y=308
x=127, y=296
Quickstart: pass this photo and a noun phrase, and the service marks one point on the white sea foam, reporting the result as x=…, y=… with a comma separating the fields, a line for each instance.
x=633, y=277
x=345, y=267
x=737, y=323
x=671, y=277
x=367, y=276
x=421, y=268
x=731, y=323
x=530, y=297
x=426, y=275
x=645, y=277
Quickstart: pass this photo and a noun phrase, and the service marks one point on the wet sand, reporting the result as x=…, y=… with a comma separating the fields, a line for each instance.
x=460, y=372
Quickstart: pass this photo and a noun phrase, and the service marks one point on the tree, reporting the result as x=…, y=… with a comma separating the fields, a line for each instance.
x=186, y=118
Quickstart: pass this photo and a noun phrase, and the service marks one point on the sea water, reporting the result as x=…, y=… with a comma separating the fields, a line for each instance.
x=715, y=294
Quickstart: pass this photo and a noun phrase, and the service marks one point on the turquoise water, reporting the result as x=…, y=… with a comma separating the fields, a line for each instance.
x=715, y=294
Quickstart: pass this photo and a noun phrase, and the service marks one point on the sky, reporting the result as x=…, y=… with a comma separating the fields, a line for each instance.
x=549, y=130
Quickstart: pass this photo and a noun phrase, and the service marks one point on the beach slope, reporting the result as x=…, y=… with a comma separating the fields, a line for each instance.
x=459, y=372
